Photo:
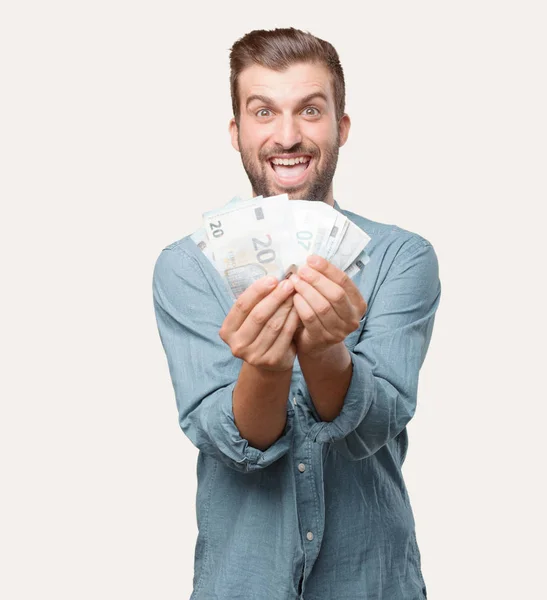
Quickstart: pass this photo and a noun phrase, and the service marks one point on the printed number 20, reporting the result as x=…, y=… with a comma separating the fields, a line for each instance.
x=216, y=229
x=304, y=235
x=267, y=255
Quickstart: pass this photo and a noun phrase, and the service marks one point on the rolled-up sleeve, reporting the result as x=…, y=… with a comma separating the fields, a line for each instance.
x=203, y=369
x=381, y=398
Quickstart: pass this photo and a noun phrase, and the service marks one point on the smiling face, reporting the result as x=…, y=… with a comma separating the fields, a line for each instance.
x=288, y=135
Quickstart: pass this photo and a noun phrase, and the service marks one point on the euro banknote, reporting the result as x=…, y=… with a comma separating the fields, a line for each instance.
x=249, y=239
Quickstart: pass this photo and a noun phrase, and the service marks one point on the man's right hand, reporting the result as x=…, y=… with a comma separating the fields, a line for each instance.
x=260, y=326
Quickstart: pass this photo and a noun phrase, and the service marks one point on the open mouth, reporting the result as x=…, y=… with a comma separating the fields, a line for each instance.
x=290, y=172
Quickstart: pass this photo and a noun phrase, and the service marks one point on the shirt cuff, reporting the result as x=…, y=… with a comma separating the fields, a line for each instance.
x=355, y=407
x=237, y=449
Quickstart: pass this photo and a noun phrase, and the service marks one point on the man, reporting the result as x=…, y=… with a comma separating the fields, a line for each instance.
x=298, y=395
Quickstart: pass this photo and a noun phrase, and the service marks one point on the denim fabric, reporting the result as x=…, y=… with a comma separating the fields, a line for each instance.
x=323, y=513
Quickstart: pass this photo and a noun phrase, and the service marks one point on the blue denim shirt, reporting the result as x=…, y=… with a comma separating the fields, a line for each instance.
x=323, y=513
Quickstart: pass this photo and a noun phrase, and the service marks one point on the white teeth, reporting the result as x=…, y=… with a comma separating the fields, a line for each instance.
x=290, y=161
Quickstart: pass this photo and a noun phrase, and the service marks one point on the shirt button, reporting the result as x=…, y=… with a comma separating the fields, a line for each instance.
x=309, y=535
x=294, y=400
x=301, y=467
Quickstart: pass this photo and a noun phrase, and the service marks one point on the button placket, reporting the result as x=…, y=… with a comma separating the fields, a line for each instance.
x=309, y=506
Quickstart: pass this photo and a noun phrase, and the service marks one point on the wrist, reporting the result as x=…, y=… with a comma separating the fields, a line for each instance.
x=270, y=373
x=335, y=357
x=322, y=353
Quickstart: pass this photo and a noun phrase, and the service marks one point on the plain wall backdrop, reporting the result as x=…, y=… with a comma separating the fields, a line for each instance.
x=114, y=140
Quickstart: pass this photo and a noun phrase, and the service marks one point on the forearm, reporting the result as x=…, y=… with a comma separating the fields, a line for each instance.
x=259, y=404
x=328, y=375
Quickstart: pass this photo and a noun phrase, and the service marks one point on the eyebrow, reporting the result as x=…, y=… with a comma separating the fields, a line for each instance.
x=304, y=100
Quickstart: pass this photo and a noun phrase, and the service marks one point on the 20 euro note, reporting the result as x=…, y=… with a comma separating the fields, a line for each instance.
x=313, y=224
x=350, y=246
x=330, y=226
x=321, y=229
x=251, y=239
x=199, y=237
x=358, y=264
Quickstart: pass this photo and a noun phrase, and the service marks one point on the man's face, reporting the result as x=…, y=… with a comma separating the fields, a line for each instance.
x=289, y=114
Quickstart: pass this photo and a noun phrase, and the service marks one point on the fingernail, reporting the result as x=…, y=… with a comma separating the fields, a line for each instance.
x=286, y=285
x=294, y=278
x=271, y=281
x=314, y=260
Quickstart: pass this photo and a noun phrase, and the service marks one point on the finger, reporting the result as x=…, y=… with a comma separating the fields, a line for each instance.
x=262, y=312
x=322, y=308
x=335, y=294
x=246, y=302
x=341, y=278
x=310, y=319
x=284, y=340
x=272, y=329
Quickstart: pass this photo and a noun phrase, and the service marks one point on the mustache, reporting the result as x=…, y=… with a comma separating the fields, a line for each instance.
x=283, y=151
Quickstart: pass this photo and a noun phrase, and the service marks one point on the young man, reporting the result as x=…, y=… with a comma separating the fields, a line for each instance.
x=298, y=395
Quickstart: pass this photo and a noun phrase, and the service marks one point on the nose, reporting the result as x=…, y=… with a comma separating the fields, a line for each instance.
x=287, y=132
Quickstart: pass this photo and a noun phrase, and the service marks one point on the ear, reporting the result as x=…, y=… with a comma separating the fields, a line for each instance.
x=232, y=127
x=344, y=127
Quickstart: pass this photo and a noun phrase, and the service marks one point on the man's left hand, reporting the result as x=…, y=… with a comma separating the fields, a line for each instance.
x=328, y=303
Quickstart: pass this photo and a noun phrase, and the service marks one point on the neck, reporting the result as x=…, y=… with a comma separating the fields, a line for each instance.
x=329, y=198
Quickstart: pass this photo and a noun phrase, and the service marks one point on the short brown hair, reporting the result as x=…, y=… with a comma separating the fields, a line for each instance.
x=277, y=49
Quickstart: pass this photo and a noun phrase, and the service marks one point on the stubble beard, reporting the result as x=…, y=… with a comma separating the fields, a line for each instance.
x=316, y=189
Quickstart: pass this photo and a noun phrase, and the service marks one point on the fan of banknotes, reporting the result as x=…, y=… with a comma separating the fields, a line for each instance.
x=249, y=239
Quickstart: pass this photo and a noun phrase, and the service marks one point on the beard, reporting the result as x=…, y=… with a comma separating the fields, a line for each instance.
x=319, y=182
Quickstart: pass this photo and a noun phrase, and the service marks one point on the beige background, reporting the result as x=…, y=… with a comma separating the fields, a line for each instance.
x=114, y=140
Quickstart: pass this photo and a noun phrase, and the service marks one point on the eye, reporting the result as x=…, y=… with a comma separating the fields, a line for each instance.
x=311, y=108
x=263, y=110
